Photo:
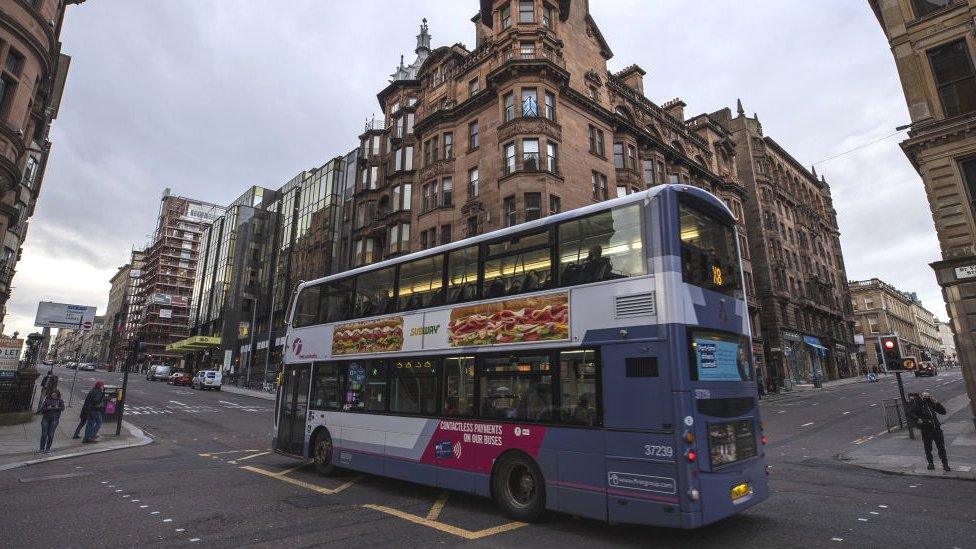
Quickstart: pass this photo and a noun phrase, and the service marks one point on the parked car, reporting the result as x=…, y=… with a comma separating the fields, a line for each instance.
x=180, y=378
x=87, y=367
x=71, y=365
x=159, y=372
x=925, y=368
x=207, y=379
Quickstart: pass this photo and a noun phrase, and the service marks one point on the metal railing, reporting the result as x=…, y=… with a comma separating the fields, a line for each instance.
x=896, y=416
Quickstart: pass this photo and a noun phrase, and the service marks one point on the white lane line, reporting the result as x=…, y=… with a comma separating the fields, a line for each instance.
x=104, y=482
x=781, y=412
x=126, y=496
x=154, y=513
x=874, y=513
x=194, y=540
x=807, y=424
x=118, y=490
x=862, y=519
x=873, y=405
x=143, y=506
x=882, y=507
x=181, y=529
x=167, y=520
x=836, y=539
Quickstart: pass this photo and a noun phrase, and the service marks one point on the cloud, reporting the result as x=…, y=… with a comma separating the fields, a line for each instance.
x=208, y=98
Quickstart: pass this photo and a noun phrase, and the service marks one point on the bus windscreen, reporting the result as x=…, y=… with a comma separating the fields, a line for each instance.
x=708, y=252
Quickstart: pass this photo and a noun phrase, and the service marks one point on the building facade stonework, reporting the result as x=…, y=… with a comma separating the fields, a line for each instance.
x=933, y=45
x=880, y=309
x=32, y=77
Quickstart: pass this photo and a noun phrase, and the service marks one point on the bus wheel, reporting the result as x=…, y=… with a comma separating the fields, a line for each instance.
x=518, y=488
x=322, y=453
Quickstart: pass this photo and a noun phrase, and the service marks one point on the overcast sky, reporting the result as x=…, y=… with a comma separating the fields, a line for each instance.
x=208, y=97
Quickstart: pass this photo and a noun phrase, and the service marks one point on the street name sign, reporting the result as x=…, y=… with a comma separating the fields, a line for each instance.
x=63, y=315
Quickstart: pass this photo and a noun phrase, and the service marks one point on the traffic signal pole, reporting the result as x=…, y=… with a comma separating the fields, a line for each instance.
x=121, y=403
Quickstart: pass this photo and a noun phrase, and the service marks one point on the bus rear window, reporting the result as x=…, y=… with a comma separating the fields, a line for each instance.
x=719, y=356
x=708, y=253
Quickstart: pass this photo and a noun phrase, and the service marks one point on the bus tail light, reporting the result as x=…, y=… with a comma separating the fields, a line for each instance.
x=763, y=439
x=694, y=495
x=691, y=455
x=689, y=437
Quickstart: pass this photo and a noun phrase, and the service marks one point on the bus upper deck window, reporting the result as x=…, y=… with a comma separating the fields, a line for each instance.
x=709, y=257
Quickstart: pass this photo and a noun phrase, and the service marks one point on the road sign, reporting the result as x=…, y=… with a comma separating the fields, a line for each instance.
x=63, y=315
x=9, y=356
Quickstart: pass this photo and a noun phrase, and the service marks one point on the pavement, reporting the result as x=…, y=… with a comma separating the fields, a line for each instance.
x=210, y=478
x=899, y=454
x=19, y=443
x=248, y=392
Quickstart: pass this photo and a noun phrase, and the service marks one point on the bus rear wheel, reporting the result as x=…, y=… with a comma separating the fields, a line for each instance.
x=322, y=453
x=518, y=488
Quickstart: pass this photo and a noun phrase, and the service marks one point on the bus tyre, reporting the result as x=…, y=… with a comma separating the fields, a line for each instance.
x=322, y=453
x=518, y=488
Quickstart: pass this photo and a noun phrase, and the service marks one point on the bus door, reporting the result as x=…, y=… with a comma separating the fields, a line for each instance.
x=293, y=409
x=641, y=448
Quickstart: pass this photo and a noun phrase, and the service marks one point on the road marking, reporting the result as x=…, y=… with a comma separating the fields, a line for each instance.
x=178, y=403
x=873, y=405
x=143, y=506
x=882, y=506
x=210, y=454
x=253, y=456
x=836, y=539
x=135, y=501
x=447, y=528
x=302, y=483
x=781, y=412
x=194, y=540
x=167, y=520
x=438, y=506
x=154, y=513
x=845, y=413
x=118, y=491
x=862, y=519
x=181, y=529
x=126, y=496
x=807, y=424
x=874, y=513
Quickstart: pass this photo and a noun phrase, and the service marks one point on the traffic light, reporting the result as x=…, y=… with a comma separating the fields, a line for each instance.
x=891, y=352
x=137, y=352
x=908, y=363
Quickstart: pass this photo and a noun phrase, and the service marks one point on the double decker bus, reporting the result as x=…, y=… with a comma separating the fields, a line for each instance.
x=595, y=362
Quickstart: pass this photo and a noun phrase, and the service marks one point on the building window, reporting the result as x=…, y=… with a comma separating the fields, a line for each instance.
x=526, y=11
x=408, y=159
x=506, y=16
x=448, y=145
x=472, y=183
x=530, y=102
x=621, y=190
x=8, y=88
x=473, y=86
x=631, y=157
x=14, y=62
x=447, y=191
x=427, y=152
x=30, y=172
x=509, y=158
x=425, y=197
x=423, y=240
x=618, y=156
x=591, y=91
x=530, y=155
x=472, y=226
x=600, y=145
x=599, y=186
x=473, y=135
x=925, y=7
x=649, y=172
x=955, y=80
x=374, y=177
x=509, y=106
x=552, y=159
x=527, y=50
x=397, y=160
x=510, y=215
x=547, y=15
x=596, y=141
x=550, y=106
x=873, y=324
x=445, y=234
x=555, y=204
x=396, y=198
x=533, y=206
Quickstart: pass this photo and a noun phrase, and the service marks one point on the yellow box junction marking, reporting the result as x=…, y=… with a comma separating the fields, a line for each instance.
x=447, y=528
x=435, y=511
x=307, y=485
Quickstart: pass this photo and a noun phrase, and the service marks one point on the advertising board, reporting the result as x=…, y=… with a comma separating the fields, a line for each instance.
x=9, y=356
x=63, y=315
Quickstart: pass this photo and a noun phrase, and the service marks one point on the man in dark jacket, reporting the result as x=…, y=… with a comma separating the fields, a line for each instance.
x=93, y=410
x=924, y=411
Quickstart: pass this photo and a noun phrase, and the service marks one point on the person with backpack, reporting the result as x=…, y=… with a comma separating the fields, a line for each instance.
x=51, y=408
x=94, y=403
x=924, y=411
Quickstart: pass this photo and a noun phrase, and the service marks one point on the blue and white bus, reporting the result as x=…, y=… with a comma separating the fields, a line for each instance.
x=594, y=362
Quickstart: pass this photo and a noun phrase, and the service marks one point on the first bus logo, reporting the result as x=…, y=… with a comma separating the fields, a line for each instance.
x=296, y=346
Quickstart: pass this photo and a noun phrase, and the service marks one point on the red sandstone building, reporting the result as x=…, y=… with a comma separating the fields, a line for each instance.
x=32, y=77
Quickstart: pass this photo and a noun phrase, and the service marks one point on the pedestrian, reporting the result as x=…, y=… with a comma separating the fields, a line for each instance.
x=47, y=386
x=51, y=408
x=93, y=406
x=924, y=411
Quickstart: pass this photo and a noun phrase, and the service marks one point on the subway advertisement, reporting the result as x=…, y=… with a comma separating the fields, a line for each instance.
x=510, y=321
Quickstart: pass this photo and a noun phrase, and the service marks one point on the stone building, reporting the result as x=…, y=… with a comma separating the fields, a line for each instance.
x=881, y=309
x=797, y=263
x=32, y=79
x=948, y=341
x=933, y=45
x=528, y=123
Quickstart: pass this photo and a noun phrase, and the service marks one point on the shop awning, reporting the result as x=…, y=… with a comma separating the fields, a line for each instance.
x=193, y=343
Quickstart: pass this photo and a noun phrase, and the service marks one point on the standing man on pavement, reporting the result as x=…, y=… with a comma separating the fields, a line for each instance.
x=93, y=407
x=925, y=410
x=48, y=383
